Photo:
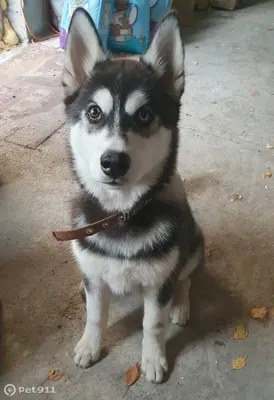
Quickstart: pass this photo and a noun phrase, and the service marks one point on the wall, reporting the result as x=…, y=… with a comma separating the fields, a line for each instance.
x=16, y=19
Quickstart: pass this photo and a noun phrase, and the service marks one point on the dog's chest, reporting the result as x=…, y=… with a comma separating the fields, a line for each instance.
x=123, y=276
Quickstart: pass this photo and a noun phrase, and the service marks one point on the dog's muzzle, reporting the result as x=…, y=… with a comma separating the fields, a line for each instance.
x=114, y=164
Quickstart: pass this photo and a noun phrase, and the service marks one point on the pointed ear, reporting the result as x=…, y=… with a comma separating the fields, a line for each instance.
x=166, y=55
x=83, y=50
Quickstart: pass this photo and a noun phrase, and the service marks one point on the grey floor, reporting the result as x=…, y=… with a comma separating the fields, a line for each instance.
x=227, y=121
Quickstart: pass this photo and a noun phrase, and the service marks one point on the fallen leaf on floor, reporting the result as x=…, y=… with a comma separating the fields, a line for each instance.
x=272, y=311
x=259, y=313
x=195, y=62
x=267, y=174
x=238, y=363
x=256, y=93
x=210, y=251
x=51, y=372
x=269, y=147
x=55, y=375
x=236, y=197
x=132, y=374
x=240, y=332
x=219, y=343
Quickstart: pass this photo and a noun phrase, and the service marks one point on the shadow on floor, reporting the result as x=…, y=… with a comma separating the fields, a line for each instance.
x=213, y=310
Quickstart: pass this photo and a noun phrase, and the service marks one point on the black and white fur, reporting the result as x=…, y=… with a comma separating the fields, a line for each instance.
x=158, y=249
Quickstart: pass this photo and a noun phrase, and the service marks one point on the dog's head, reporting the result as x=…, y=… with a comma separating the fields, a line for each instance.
x=123, y=113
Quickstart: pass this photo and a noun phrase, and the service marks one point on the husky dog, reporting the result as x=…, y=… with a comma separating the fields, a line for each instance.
x=123, y=116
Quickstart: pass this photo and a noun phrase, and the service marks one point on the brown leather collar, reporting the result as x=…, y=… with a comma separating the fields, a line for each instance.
x=100, y=225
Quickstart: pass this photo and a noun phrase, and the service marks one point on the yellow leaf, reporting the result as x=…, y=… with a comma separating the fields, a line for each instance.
x=54, y=375
x=240, y=332
x=238, y=363
x=132, y=374
x=51, y=372
x=268, y=174
x=259, y=313
x=269, y=147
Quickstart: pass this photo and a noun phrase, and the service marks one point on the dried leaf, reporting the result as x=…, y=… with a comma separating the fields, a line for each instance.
x=269, y=147
x=240, y=332
x=268, y=174
x=195, y=62
x=210, y=251
x=238, y=363
x=259, y=313
x=236, y=197
x=132, y=374
x=55, y=375
x=256, y=93
x=272, y=311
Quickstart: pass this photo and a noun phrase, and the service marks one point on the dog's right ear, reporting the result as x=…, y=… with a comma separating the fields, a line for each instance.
x=83, y=50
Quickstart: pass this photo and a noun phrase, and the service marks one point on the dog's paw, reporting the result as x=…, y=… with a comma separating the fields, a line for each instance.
x=85, y=353
x=154, y=367
x=179, y=314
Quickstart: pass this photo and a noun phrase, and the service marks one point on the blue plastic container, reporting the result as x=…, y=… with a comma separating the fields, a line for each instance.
x=99, y=10
x=129, y=28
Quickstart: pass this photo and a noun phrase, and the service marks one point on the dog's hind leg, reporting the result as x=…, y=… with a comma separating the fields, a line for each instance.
x=180, y=309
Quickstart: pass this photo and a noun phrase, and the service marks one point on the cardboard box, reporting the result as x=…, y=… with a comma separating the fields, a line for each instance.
x=185, y=9
x=201, y=4
x=224, y=4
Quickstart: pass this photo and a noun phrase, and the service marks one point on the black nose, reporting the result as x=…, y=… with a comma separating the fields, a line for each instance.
x=115, y=164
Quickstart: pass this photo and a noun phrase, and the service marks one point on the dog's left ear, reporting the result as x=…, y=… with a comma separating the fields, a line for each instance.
x=83, y=50
x=166, y=54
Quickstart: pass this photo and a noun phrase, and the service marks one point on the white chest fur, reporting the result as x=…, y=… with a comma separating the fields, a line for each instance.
x=123, y=276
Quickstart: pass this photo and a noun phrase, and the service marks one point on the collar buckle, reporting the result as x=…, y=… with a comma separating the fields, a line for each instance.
x=125, y=216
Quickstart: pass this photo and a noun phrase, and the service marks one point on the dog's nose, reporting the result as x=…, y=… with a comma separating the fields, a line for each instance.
x=114, y=164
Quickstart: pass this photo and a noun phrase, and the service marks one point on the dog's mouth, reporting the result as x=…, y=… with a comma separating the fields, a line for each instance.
x=114, y=183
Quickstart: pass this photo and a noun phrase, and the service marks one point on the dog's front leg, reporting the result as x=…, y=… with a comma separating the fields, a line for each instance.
x=88, y=349
x=154, y=362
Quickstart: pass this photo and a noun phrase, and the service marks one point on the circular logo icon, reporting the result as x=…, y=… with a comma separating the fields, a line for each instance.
x=9, y=389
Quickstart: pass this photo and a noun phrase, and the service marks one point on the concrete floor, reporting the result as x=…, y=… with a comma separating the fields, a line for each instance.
x=227, y=121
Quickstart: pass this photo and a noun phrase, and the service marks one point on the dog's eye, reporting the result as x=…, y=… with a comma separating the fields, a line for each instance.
x=144, y=116
x=94, y=113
